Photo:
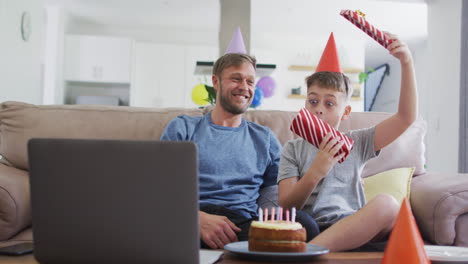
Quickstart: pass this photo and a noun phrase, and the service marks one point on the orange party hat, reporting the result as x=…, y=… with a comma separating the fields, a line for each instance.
x=329, y=60
x=405, y=244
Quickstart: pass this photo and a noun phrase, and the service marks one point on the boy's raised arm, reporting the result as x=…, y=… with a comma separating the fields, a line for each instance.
x=391, y=128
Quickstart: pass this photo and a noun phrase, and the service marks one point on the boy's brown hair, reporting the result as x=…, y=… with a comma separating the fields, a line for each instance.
x=334, y=80
x=232, y=59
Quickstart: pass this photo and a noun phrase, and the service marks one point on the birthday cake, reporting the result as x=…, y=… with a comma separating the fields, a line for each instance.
x=277, y=236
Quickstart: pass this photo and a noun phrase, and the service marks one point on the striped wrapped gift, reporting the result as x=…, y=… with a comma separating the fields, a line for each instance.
x=313, y=129
x=365, y=26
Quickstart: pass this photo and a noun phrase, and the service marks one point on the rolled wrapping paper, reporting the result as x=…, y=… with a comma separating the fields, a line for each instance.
x=313, y=129
x=365, y=26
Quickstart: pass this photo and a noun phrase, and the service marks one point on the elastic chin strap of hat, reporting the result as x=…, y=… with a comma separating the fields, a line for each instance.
x=346, y=85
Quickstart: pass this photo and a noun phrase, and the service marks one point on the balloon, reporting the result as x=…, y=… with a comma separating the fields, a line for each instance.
x=267, y=85
x=257, y=99
x=200, y=95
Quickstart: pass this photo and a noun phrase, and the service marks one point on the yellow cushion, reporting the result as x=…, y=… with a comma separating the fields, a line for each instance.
x=395, y=182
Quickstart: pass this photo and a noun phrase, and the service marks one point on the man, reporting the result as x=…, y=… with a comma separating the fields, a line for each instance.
x=236, y=157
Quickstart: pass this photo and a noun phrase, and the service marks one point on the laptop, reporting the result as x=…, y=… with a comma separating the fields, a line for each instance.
x=114, y=201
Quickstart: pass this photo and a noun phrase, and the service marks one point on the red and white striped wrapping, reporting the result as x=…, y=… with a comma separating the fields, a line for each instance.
x=365, y=26
x=313, y=129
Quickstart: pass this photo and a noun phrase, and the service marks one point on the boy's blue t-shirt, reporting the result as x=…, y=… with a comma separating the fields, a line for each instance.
x=234, y=162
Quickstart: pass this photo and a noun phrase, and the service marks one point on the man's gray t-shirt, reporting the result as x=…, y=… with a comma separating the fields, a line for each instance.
x=340, y=193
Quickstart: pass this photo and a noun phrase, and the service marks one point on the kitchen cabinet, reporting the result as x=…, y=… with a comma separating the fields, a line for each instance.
x=97, y=59
x=164, y=74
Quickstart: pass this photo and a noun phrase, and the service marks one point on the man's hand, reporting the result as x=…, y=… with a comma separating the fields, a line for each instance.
x=217, y=231
x=327, y=155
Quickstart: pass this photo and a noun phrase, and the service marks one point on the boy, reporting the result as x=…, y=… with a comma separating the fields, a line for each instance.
x=311, y=179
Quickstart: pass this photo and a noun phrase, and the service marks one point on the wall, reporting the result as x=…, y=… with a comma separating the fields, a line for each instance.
x=437, y=63
x=273, y=41
x=20, y=63
x=56, y=21
x=285, y=54
x=388, y=96
x=443, y=81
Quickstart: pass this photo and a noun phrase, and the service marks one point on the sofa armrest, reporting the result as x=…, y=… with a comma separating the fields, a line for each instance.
x=15, y=201
x=437, y=200
x=461, y=227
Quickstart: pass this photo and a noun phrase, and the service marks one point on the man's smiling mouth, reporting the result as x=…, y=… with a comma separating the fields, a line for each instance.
x=242, y=95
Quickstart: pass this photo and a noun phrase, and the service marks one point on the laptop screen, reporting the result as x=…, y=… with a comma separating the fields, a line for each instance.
x=119, y=201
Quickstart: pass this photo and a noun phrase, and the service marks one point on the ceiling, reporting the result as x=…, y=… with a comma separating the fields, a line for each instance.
x=268, y=16
x=144, y=13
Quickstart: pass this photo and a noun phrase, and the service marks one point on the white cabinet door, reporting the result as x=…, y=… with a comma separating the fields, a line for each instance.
x=159, y=76
x=164, y=74
x=97, y=59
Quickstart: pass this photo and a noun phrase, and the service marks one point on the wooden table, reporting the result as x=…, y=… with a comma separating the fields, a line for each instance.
x=336, y=257
x=228, y=258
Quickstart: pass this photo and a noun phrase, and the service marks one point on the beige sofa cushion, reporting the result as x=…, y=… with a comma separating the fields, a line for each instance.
x=406, y=151
x=277, y=121
x=19, y=122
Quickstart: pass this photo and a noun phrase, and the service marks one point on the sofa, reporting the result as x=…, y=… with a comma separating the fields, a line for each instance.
x=439, y=200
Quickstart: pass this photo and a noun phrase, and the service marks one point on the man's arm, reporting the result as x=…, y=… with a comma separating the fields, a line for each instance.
x=274, y=153
x=390, y=129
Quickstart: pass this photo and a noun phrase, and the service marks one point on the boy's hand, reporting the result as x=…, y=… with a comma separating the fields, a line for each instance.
x=327, y=156
x=217, y=231
x=399, y=49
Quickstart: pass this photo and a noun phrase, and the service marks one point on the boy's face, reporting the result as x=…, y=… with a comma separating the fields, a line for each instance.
x=327, y=104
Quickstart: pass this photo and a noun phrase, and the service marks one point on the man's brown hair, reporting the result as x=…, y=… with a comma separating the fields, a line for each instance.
x=232, y=59
x=334, y=80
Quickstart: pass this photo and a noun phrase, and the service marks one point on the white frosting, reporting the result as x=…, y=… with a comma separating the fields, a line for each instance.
x=278, y=225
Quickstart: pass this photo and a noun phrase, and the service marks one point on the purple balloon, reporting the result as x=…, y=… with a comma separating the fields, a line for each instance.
x=268, y=86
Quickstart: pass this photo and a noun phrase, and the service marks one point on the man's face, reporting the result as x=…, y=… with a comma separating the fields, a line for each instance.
x=327, y=104
x=236, y=88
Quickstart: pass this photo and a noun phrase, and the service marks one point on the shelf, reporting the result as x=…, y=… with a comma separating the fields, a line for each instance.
x=297, y=96
x=312, y=69
x=206, y=68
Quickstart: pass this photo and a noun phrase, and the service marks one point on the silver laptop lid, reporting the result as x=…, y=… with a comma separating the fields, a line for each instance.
x=114, y=201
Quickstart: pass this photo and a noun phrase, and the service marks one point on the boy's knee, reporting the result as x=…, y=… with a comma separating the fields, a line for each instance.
x=308, y=223
x=388, y=207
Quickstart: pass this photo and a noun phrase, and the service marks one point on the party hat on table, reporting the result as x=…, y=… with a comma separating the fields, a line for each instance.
x=405, y=244
x=237, y=43
x=330, y=60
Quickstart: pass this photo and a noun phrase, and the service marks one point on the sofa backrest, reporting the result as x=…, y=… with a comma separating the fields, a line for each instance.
x=20, y=121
